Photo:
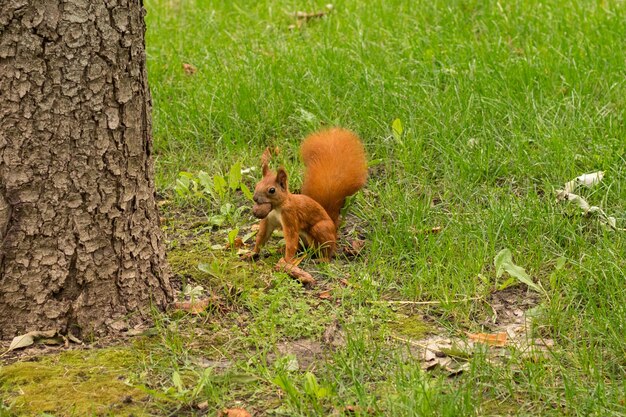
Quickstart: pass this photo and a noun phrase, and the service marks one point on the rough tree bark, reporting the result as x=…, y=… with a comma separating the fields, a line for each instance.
x=80, y=244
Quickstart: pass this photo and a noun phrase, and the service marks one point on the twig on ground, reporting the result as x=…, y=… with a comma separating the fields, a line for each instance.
x=425, y=303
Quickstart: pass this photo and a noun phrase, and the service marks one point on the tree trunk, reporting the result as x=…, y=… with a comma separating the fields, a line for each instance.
x=80, y=244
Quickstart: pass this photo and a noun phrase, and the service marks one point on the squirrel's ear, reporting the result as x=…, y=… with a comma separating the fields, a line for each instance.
x=281, y=178
x=266, y=168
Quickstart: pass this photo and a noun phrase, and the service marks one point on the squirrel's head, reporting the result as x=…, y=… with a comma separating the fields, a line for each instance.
x=270, y=192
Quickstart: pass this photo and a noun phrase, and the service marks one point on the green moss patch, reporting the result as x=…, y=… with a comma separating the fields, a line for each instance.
x=412, y=327
x=74, y=383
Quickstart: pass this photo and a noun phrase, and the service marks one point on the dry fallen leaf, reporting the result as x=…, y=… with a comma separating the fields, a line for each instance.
x=189, y=69
x=588, y=180
x=356, y=246
x=202, y=406
x=237, y=244
x=312, y=15
x=325, y=295
x=353, y=409
x=192, y=306
x=234, y=412
x=431, y=231
x=29, y=338
x=493, y=339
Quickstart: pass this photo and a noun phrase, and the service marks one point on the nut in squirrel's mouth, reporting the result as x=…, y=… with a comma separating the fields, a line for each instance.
x=260, y=211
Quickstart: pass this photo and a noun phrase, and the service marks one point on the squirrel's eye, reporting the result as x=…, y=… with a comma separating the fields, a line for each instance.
x=272, y=190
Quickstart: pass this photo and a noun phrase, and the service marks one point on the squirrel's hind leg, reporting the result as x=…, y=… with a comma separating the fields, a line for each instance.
x=325, y=235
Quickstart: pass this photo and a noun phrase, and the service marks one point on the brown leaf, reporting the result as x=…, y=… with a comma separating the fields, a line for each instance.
x=29, y=338
x=431, y=231
x=312, y=15
x=189, y=69
x=353, y=409
x=237, y=244
x=234, y=412
x=356, y=246
x=325, y=295
x=202, y=406
x=192, y=306
x=494, y=339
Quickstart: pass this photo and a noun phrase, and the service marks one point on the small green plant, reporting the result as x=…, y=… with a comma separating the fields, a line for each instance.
x=232, y=235
x=216, y=190
x=189, y=392
x=307, y=394
x=503, y=262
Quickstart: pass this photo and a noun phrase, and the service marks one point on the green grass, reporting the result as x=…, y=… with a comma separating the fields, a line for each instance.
x=501, y=103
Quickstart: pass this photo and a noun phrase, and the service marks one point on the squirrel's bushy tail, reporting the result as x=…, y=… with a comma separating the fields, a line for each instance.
x=336, y=167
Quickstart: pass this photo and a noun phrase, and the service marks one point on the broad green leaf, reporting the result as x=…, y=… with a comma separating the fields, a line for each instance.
x=504, y=256
x=185, y=174
x=519, y=273
x=217, y=220
x=506, y=284
x=397, y=129
x=560, y=262
x=234, y=176
x=205, y=267
x=503, y=262
x=226, y=209
x=178, y=382
x=205, y=180
x=246, y=191
x=193, y=292
x=248, y=236
x=232, y=235
x=310, y=384
x=219, y=184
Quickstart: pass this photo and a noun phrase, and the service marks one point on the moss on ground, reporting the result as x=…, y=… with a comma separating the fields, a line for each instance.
x=74, y=383
x=412, y=327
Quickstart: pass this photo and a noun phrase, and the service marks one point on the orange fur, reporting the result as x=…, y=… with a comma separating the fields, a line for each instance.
x=336, y=168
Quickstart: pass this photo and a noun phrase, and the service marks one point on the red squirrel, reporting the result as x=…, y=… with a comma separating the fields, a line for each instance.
x=336, y=167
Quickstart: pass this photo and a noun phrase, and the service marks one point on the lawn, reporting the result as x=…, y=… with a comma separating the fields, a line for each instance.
x=473, y=115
